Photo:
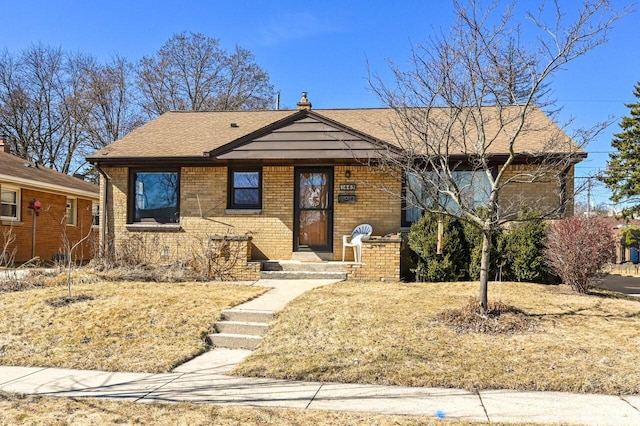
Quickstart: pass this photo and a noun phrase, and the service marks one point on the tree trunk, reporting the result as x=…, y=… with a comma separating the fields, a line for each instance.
x=484, y=269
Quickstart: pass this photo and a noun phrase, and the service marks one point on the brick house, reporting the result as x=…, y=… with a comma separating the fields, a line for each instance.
x=67, y=206
x=296, y=181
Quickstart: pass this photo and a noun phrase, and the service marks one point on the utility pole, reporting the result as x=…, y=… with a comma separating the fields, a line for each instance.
x=589, y=196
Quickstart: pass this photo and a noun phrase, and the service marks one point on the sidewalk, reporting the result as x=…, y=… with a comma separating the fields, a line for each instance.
x=203, y=380
x=207, y=387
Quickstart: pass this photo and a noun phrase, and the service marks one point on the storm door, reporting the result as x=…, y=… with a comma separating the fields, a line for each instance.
x=313, y=209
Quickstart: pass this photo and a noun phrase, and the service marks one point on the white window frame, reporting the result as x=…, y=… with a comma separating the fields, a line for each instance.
x=72, y=217
x=17, y=191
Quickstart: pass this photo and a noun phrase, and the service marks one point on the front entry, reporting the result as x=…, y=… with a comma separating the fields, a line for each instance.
x=313, y=212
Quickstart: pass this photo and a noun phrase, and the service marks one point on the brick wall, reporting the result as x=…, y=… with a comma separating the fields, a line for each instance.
x=203, y=212
x=544, y=195
x=51, y=227
x=375, y=204
x=380, y=261
x=203, y=209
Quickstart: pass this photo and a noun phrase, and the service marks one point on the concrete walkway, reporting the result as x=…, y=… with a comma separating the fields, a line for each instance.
x=203, y=380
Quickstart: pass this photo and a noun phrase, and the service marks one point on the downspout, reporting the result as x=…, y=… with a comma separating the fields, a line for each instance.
x=103, y=210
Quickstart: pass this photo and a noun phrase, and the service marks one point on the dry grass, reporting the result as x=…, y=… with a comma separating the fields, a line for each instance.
x=386, y=333
x=18, y=410
x=130, y=326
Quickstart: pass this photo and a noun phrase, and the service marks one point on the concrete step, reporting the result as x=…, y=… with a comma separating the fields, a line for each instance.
x=242, y=327
x=235, y=341
x=246, y=315
x=302, y=275
x=294, y=265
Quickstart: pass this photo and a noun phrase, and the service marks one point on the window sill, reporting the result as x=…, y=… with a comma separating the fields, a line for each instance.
x=10, y=222
x=243, y=211
x=153, y=227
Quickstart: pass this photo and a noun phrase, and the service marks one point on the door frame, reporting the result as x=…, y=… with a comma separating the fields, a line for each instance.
x=296, y=209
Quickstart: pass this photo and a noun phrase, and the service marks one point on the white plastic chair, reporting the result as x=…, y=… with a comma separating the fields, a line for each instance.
x=360, y=231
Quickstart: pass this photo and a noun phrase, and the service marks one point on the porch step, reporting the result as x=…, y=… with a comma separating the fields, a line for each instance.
x=235, y=341
x=244, y=315
x=295, y=265
x=242, y=327
x=302, y=275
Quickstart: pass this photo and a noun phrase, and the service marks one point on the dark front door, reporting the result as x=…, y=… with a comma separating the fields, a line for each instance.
x=313, y=209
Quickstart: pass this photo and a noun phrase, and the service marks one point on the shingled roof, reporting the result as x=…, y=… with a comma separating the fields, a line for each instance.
x=193, y=135
x=25, y=173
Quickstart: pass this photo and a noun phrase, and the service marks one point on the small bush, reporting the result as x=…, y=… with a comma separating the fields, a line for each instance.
x=577, y=248
x=453, y=263
x=521, y=251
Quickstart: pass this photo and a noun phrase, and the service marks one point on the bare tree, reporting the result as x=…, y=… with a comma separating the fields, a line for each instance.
x=191, y=72
x=44, y=106
x=466, y=115
x=30, y=106
x=114, y=110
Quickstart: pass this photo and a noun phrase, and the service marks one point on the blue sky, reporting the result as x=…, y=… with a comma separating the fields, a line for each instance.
x=321, y=47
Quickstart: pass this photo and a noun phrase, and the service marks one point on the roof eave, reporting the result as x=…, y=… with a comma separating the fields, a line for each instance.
x=38, y=185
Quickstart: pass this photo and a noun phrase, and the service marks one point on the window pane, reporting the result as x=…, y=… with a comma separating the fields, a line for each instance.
x=9, y=197
x=9, y=203
x=156, y=197
x=8, y=210
x=95, y=214
x=244, y=189
x=246, y=179
x=71, y=211
x=313, y=191
x=246, y=197
x=474, y=189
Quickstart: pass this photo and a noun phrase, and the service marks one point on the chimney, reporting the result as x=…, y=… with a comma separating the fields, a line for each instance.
x=4, y=143
x=304, y=103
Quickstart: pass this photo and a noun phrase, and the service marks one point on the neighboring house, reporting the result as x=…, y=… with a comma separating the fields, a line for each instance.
x=296, y=181
x=67, y=206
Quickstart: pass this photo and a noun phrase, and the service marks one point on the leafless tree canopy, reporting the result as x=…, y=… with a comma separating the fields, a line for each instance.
x=191, y=72
x=478, y=91
x=57, y=107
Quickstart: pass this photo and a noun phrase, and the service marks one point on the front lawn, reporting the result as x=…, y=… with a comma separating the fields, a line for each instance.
x=128, y=326
x=386, y=333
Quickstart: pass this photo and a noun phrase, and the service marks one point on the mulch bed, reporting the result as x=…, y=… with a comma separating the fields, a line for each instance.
x=498, y=319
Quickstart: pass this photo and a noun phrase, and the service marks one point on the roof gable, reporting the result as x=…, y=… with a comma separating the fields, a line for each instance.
x=304, y=135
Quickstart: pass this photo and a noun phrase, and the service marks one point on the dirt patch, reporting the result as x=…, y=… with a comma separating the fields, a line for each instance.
x=499, y=318
x=67, y=300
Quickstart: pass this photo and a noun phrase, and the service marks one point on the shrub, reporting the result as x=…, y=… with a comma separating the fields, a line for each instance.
x=522, y=250
x=577, y=248
x=452, y=264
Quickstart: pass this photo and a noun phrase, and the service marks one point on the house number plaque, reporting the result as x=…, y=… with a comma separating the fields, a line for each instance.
x=347, y=187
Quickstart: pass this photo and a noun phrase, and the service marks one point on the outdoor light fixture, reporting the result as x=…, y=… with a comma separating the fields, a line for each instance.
x=347, y=174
